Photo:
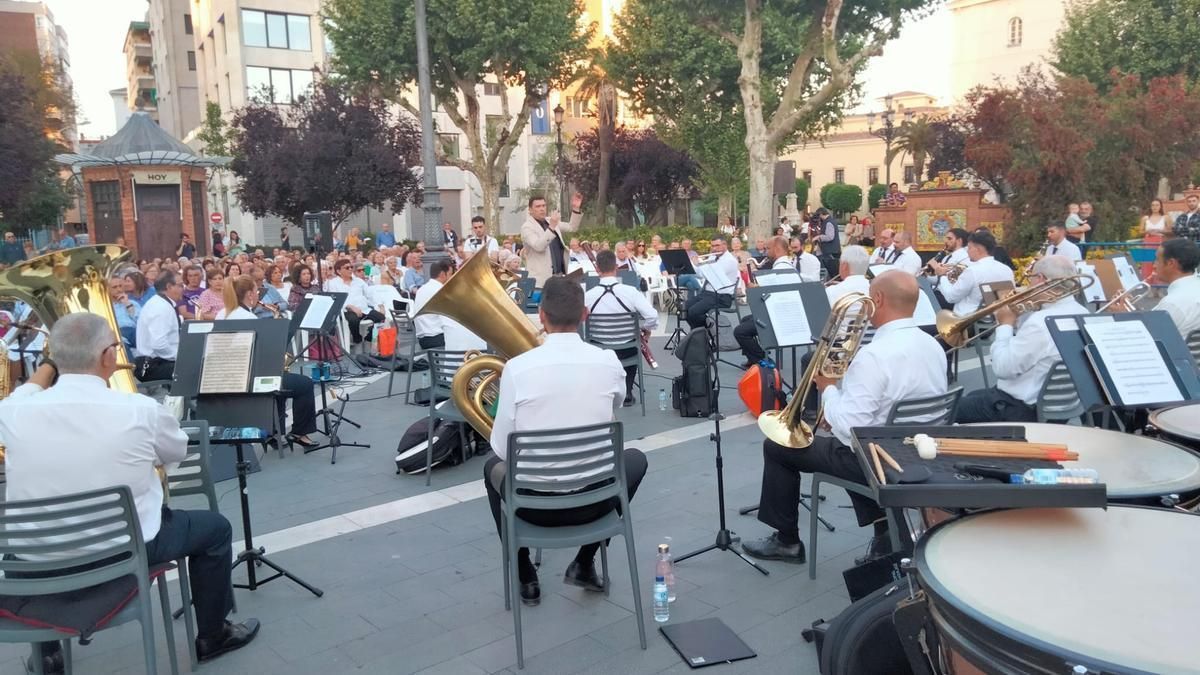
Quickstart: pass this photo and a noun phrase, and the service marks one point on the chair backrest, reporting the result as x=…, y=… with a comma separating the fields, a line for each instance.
x=527, y=285
x=443, y=364
x=401, y=319
x=613, y=331
x=1058, y=398
x=565, y=468
x=1193, y=342
x=930, y=410
x=193, y=476
x=590, y=281
x=97, y=529
x=629, y=278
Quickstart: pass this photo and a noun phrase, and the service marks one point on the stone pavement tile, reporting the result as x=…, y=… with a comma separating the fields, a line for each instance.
x=567, y=657
x=633, y=660
x=392, y=641
x=413, y=657
x=299, y=640
x=467, y=611
x=386, y=612
x=456, y=666
x=327, y=662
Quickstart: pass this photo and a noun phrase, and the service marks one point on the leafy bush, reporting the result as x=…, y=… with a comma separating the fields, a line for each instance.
x=700, y=236
x=801, y=191
x=841, y=198
x=875, y=195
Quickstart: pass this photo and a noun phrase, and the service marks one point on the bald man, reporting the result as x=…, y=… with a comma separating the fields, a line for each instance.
x=885, y=249
x=902, y=362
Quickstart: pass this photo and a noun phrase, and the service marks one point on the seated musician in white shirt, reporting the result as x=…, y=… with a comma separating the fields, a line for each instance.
x=1021, y=356
x=807, y=264
x=907, y=259
x=746, y=332
x=1175, y=264
x=964, y=293
x=852, y=274
x=480, y=239
x=720, y=282
x=158, y=330
x=901, y=362
x=1058, y=244
x=431, y=328
x=610, y=296
x=535, y=395
x=357, y=306
x=885, y=250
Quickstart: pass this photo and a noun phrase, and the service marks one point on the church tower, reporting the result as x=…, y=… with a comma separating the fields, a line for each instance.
x=998, y=38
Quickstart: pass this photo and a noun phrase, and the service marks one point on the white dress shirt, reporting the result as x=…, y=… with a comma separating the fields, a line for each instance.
x=855, y=283
x=1183, y=304
x=785, y=273
x=158, y=329
x=959, y=255
x=965, y=294
x=473, y=244
x=902, y=362
x=79, y=435
x=808, y=265
x=428, y=325
x=909, y=261
x=721, y=274
x=1022, y=360
x=239, y=313
x=1067, y=249
x=622, y=299
x=883, y=255
x=355, y=290
x=535, y=395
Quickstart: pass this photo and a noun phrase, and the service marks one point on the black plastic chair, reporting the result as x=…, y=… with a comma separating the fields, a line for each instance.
x=443, y=364
x=619, y=331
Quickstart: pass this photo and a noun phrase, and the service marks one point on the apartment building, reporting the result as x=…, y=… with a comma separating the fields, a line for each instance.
x=141, y=91
x=175, y=65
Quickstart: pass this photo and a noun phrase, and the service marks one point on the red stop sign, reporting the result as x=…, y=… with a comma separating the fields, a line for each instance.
x=216, y=218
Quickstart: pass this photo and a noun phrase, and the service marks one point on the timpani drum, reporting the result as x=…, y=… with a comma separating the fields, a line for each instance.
x=1047, y=590
x=1180, y=423
x=1134, y=469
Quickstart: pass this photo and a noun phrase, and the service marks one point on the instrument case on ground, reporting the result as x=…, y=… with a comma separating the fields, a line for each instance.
x=692, y=393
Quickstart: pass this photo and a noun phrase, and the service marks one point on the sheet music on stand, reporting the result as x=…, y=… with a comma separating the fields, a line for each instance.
x=788, y=318
x=712, y=277
x=226, y=365
x=1094, y=292
x=926, y=311
x=1129, y=363
x=318, y=310
x=1125, y=272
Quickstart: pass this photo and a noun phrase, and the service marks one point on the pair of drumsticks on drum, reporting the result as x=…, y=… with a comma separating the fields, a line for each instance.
x=929, y=448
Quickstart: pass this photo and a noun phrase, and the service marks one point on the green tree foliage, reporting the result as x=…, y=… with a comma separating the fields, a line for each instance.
x=329, y=152
x=917, y=138
x=36, y=107
x=532, y=45
x=716, y=140
x=949, y=141
x=790, y=65
x=1147, y=38
x=875, y=195
x=841, y=198
x=215, y=136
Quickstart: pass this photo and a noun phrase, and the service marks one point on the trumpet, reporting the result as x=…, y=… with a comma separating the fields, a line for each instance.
x=942, y=255
x=955, y=272
x=707, y=258
x=1028, y=271
x=837, y=279
x=953, y=329
x=1127, y=299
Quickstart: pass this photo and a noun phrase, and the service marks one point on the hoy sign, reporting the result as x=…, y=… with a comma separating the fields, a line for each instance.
x=156, y=177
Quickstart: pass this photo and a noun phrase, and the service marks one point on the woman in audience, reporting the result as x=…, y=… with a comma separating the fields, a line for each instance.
x=276, y=280
x=303, y=283
x=212, y=300
x=193, y=279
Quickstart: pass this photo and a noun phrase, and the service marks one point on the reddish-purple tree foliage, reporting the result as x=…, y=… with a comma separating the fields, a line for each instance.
x=646, y=173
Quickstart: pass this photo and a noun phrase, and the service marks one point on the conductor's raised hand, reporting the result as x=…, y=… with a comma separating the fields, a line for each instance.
x=577, y=201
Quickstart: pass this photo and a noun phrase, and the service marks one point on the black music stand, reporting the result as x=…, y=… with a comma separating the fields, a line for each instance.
x=677, y=262
x=332, y=420
x=248, y=409
x=1092, y=382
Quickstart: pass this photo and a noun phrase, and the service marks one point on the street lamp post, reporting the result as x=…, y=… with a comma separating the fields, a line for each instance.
x=887, y=132
x=560, y=170
x=431, y=203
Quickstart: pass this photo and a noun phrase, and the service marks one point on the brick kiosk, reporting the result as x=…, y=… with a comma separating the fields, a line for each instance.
x=146, y=187
x=934, y=210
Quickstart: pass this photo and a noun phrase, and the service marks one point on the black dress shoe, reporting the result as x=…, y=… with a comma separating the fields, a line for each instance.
x=583, y=576
x=52, y=664
x=880, y=546
x=628, y=402
x=770, y=548
x=298, y=440
x=234, y=636
x=531, y=594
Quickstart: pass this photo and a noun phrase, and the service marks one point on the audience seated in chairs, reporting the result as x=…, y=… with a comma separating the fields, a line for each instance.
x=534, y=395
x=357, y=307
x=125, y=310
x=115, y=438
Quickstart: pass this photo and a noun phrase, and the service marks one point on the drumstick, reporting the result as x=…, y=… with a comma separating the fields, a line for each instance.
x=878, y=466
x=929, y=448
x=888, y=458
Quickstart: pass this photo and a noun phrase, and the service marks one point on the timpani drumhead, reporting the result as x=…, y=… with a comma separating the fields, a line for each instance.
x=1181, y=421
x=1131, y=467
x=1109, y=589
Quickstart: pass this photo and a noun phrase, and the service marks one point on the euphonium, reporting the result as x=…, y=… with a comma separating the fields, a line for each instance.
x=839, y=342
x=953, y=329
x=1127, y=299
x=474, y=298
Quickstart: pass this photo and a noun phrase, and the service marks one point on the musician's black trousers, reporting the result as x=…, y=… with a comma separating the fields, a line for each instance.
x=630, y=371
x=746, y=334
x=779, y=504
x=354, y=320
x=304, y=402
x=704, y=302
x=432, y=341
x=493, y=480
x=993, y=405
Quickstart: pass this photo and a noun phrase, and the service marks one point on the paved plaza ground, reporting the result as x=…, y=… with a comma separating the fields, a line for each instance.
x=412, y=574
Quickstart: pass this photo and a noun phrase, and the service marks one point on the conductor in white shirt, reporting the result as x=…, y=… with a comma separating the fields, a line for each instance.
x=610, y=296
x=907, y=260
x=1021, y=357
x=720, y=284
x=1056, y=234
x=534, y=395
x=901, y=362
x=1176, y=265
x=480, y=240
x=357, y=307
x=964, y=293
x=157, y=330
x=75, y=435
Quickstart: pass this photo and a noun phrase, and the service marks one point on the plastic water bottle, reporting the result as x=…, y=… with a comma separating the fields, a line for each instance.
x=665, y=568
x=662, y=400
x=1058, y=477
x=662, y=606
x=425, y=379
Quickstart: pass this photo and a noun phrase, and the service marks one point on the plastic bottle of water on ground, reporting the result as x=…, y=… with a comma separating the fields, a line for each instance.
x=662, y=606
x=665, y=567
x=1058, y=477
x=662, y=400
x=425, y=379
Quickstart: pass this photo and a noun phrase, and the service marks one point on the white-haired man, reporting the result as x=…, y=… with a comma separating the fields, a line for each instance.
x=113, y=438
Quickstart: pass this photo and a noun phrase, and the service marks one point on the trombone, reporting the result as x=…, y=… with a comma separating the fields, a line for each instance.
x=1127, y=299
x=953, y=329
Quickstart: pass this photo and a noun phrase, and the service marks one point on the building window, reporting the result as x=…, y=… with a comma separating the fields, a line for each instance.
x=577, y=106
x=106, y=201
x=1014, y=31
x=450, y=145
x=493, y=125
x=187, y=24
x=278, y=31
x=492, y=89
x=191, y=57
x=910, y=175
x=839, y=175
x=807, y=176
x=504, y=188
x=873, y=176
x=277, y=85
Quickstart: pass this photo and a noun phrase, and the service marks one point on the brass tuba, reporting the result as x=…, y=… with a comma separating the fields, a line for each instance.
x=475, y=298
x=839, y=342
x=953, y=329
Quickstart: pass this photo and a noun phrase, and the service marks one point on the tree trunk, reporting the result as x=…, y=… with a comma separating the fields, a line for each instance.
x=762, y=179
x=724, y=206
x=605, y=105
x=490, y=189
x=605, y=173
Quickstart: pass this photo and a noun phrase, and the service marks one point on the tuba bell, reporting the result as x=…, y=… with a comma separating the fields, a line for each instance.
x=475, y=298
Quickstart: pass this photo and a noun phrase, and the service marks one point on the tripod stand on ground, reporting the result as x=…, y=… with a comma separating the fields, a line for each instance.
x=725, y=538
x=331, y=421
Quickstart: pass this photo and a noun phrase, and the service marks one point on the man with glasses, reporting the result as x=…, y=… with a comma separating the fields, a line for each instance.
x=1021, y=359
x=114, y=438
x=157, y=334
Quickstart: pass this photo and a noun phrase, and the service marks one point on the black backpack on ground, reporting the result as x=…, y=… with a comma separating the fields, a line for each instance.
x=410, y=452
x=863, y=639
x=692, y=392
